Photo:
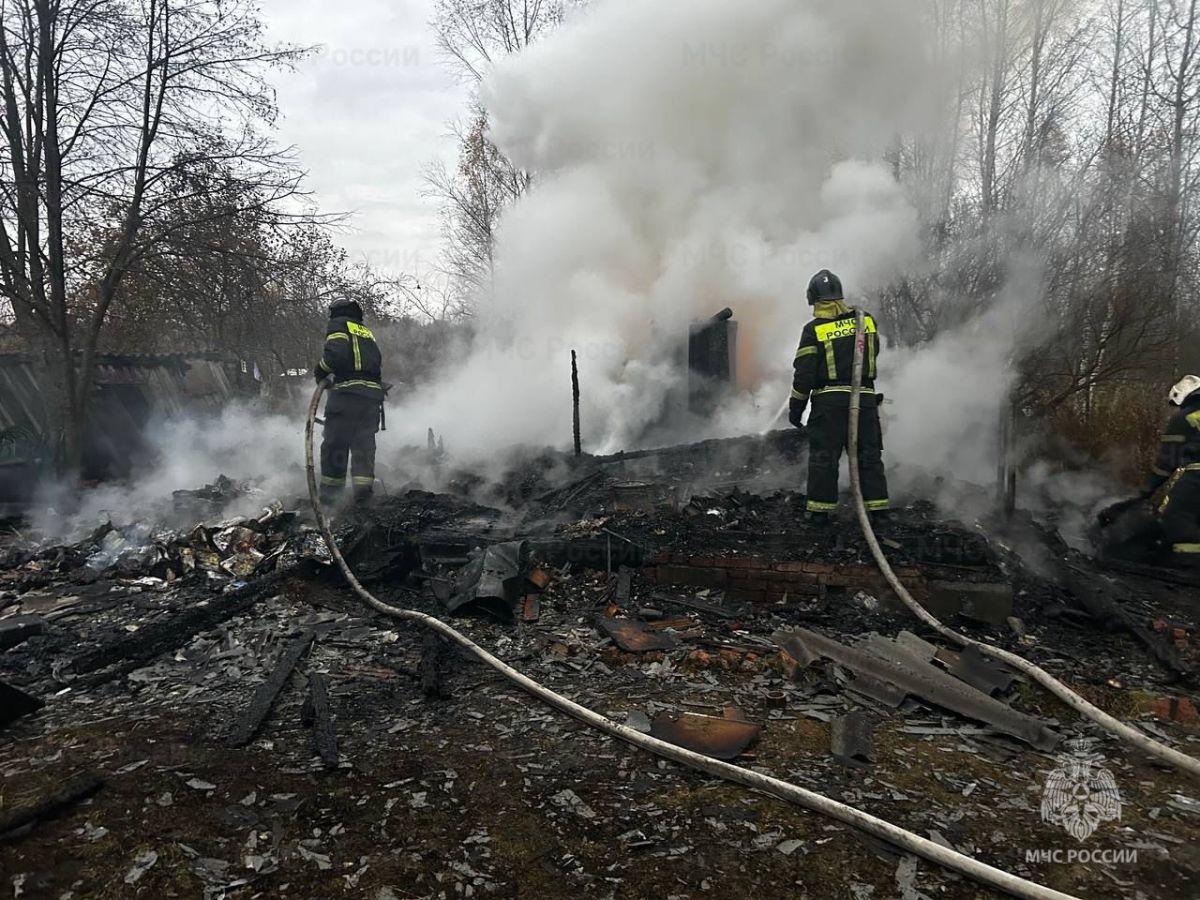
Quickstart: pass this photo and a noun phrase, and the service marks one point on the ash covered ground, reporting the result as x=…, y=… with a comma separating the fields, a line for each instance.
x=223, y=718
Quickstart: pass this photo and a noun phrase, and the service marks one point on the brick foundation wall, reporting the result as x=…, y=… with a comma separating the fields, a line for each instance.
x=750, y=580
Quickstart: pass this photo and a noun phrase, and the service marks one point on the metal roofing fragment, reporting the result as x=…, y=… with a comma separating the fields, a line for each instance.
x=893, y=663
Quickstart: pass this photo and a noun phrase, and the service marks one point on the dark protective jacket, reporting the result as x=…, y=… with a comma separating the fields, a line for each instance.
x=353, y=357
x=1180, y=444
x=824, y=362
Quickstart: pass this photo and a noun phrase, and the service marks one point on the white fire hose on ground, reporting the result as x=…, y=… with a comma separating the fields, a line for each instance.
x=790, y=793
x=1115, y=726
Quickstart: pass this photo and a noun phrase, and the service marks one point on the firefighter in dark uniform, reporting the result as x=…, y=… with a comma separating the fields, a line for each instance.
x=1174, y=483
x=824, y=370
x=354, y=407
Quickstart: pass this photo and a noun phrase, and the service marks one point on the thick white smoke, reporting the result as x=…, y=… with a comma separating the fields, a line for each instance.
x=689, y=155
x=243, y=444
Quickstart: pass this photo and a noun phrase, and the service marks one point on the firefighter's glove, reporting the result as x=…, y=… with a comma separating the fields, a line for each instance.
x=796, y=413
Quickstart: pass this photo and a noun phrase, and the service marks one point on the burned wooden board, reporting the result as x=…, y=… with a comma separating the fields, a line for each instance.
x=16, y=703
x=316, y=715
x=74, y=791
x=264, y=696
x=18, y=629
x=720, y=738
x=166, y=634
x=632, y=637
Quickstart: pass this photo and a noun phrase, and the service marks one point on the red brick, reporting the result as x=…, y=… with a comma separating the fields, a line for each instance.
x=692, y=576
x=807, y=590
x=704, y=562
x=738, y=595
x=859, y=572
x=1176, y=709
x=792, y=567
x=818, y=568
x=791, y=577
x=743, y=563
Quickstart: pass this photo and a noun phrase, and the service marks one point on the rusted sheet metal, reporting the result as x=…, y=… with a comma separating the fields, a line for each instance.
x=720, y=738
x=632, y=637
x=906, y=671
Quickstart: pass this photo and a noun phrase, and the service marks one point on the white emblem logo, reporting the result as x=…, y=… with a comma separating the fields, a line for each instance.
x=1081, y=795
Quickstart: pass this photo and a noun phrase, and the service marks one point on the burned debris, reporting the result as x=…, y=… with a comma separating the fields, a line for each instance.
x=248, y=685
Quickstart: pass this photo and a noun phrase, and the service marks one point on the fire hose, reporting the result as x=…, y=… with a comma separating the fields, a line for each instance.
x=782, y=790
x=1114, y=726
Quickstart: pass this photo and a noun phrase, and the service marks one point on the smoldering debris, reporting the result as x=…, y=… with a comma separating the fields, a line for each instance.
x=177, y=663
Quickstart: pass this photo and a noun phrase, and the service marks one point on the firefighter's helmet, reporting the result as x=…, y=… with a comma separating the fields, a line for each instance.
x=345, y=309
x=1188, y=386
x=824, y=286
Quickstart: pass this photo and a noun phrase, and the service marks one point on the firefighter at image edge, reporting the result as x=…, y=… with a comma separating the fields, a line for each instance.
x=1174, y=483
x=824, y=369
x=354, y=408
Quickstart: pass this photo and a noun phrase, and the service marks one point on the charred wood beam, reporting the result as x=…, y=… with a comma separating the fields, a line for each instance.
x=131, y=652
x=18, y=629
x=256, y=713
x=433, y=654
x=575, y=404
x=316, y=715
x=15, y=703
x=73, y=792
x=1095, y=597
x=783, y=441
x=1170, y=576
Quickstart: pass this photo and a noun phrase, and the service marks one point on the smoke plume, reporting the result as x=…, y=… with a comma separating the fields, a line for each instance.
x=688, y=155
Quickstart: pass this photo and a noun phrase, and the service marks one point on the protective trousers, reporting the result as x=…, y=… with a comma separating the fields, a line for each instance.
x=351, y=421
x=1179, y=513
x=828, y=437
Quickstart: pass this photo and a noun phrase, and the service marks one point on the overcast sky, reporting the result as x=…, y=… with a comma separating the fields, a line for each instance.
x=367, y=114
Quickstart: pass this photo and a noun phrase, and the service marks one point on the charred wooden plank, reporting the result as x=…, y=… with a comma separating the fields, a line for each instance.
x=74, y=791
x=433, y=651
x=15, y=703
x=128, y=653
x=316, y=715
x=256, y=713
x=1096, y=597
x=18, y=629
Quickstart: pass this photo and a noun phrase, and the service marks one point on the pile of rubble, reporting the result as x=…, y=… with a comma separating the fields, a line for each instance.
x=215, y=711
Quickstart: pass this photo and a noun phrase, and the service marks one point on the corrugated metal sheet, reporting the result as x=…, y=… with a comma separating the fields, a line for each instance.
x=171, y=385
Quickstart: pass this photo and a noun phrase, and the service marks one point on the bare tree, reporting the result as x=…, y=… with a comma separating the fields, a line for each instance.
x=472, y=35
x=104, y=103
